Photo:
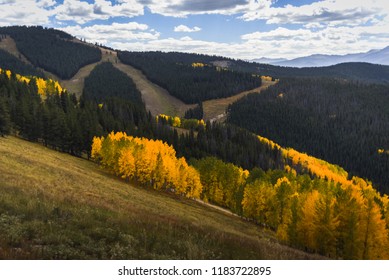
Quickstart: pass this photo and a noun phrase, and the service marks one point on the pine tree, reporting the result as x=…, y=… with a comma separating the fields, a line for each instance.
x=5, y=124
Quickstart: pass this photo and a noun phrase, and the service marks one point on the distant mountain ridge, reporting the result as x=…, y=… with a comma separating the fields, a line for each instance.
x=380, y=56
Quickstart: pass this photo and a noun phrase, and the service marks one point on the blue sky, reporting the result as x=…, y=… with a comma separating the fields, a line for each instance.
x=244, y=29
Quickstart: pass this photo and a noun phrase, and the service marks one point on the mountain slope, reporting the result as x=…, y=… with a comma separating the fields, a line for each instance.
x=341, y=122
x=52, y=50
x=57, y=206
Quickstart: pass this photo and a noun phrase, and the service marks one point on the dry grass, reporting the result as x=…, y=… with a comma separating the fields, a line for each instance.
x=69, y=208
x=8, y=44
x=157, y=100
x=215, y=110
x=76, y=83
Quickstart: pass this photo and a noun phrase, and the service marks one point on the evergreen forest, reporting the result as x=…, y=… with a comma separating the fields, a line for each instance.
x=345, y=123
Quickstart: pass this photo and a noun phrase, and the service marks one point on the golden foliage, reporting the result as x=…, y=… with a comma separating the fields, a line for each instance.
x=45, y=87
x=267, y=78
x=198, y=65
x=151, y=163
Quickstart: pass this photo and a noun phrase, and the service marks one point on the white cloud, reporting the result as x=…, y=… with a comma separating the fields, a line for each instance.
x=325, y=26
x=113, y=33
x=281, y=42
x=184, y=28
x=46, y=3
x=26, y=12
x=330, y=40
x=83, y=12
x=329, y=12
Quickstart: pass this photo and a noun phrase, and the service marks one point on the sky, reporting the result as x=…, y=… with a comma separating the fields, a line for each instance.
x=244, y=29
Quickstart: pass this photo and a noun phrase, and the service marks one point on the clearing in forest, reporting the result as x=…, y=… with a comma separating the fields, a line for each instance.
x=215, y=109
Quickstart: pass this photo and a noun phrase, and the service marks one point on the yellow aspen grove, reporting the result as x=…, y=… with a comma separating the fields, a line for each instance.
x=96, y=148
x=326, y=224
x=127, y=164
x=149, y=162
x=307, y=226
x=45, y=87
x=373, y=228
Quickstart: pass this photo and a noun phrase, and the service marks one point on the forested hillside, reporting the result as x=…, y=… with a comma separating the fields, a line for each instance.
x=309, y=204
x=106, y=81
x=338, y=218
x=305, y=202
x=365, y=72
x=8, y=61
x=191, y=82
x=66, y=124
x=52, y=49
x=353, y=71
x=341, y=122
x=60, y=121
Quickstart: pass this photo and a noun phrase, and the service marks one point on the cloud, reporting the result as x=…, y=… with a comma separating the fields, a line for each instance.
x=328, y=12
x=329, y=40
x=46, y=3
x=83, y=12
x=281, y=42
x=206, y=5
x=26, y=12
x=183, y=8
x=113, y=33
x=184, y=28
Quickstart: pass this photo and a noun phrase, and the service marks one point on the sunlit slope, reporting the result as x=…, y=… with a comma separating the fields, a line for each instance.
x=53, y=205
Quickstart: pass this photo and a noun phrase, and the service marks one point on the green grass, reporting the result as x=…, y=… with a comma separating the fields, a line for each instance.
x=54, y=206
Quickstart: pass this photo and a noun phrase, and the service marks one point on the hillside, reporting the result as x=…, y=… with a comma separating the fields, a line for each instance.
x=215, y=109
x=340, y=122
x=365, y=72
x=9, y=61
x=157, y=99
x=190, y=82
x=296, y=193
x=55, y=206
x=52, y=50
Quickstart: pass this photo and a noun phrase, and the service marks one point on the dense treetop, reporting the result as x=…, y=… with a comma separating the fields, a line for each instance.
x=106, y=81
x=52, y=49
x=341, y=122
x=189, y=80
